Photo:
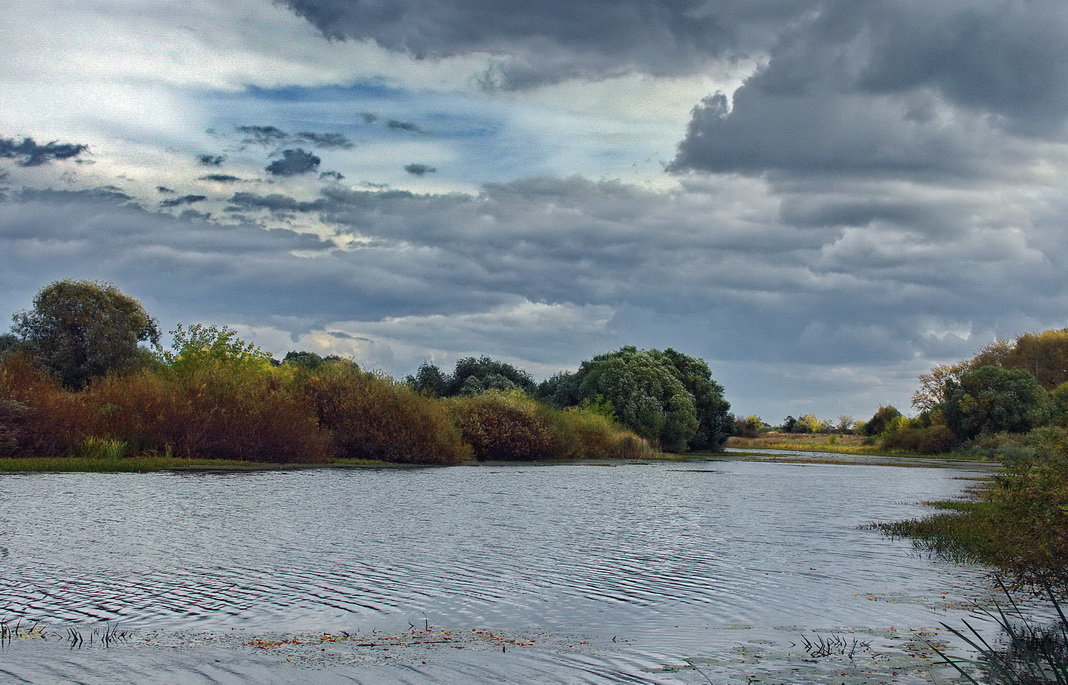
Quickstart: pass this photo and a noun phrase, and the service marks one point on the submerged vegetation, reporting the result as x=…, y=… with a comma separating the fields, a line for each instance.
x=79, y=390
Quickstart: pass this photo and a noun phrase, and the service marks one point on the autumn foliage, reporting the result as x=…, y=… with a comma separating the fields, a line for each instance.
x=227, y=400
x=74, y=382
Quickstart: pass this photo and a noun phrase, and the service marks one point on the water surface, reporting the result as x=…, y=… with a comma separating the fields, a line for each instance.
x=660, y=572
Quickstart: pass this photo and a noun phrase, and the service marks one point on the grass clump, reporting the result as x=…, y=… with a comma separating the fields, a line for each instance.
x=103, y=449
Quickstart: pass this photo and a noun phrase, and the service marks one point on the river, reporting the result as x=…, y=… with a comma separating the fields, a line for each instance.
x=718, y=571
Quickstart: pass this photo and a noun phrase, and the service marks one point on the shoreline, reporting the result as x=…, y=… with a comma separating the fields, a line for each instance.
x=775, y=455
x=164, y=464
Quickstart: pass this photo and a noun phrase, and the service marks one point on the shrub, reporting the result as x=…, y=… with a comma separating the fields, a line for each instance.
x=586, y=434
x=933, y=439
x=12, y=420
x=503, y=425
x=52, y=421
x=212, y=410
x=370, y=417
x=1019, y=522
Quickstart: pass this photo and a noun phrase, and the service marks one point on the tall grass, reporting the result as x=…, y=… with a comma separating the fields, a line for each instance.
x=103, y=449
x=1031, y=653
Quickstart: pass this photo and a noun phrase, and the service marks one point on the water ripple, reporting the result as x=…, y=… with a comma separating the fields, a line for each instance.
x=634, y=550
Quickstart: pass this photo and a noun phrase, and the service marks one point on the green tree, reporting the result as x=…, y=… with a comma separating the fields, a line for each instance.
x=714, y=422
x=80, y=330
x=560, y=390
x=990, y=400
x=304, y=359
x=664, y=396
x=807, y=423
x=1058, y=406
x=429, y=380
x=880, y=421
x=474, y=375
x=198, y=346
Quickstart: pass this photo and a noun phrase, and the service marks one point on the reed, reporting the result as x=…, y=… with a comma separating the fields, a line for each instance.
x=1031, y=653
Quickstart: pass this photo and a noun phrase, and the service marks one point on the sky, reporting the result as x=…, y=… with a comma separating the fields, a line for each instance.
x=821, y=198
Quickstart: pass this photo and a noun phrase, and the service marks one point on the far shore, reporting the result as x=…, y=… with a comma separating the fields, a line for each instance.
x=148, y=464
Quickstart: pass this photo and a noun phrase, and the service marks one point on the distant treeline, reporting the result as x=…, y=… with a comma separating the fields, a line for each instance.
x=84, y=373
x=1011, y=394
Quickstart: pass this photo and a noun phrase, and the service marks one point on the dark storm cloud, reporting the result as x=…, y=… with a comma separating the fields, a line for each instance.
x=28, y=152
x=164, y=189
x=262, y=135
x=183, y=200
x=419, y=169
x=368, y=117
x=332, y=175
x=404, y=126
x=220, y=178
x=194, y=215
x=894, y=87
x=272, y=135
x=550, y=41
x=293, y=163
x=326, y=141
x=275, y=202
x=211, y=160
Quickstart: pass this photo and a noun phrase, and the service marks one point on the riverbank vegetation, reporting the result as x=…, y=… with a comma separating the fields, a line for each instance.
x=84, y=378
x=1009, y=404
x=1016, y=522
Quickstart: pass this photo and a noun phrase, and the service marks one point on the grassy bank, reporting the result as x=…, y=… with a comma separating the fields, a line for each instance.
x=836, y=444
x=137, y=464
x=1017, y=521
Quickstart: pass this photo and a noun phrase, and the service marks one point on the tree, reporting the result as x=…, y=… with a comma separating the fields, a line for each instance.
x=932, y=390
x=807, y=423
x=304, y=359
x=880, y=421
x=990, y=400
x=472, y=376
x=80, y=330
x=560, y=390
x=1058, y=406
x=663, y=396
x=199, y=346
x=488, y=374
x=714, y=422
x=429, y=380
x=1044, y=355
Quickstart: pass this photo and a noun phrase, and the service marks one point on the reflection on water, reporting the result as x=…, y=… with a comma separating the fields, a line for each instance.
x=651, y=565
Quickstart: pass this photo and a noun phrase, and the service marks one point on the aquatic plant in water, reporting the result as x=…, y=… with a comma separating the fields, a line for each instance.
x=1031, y=654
